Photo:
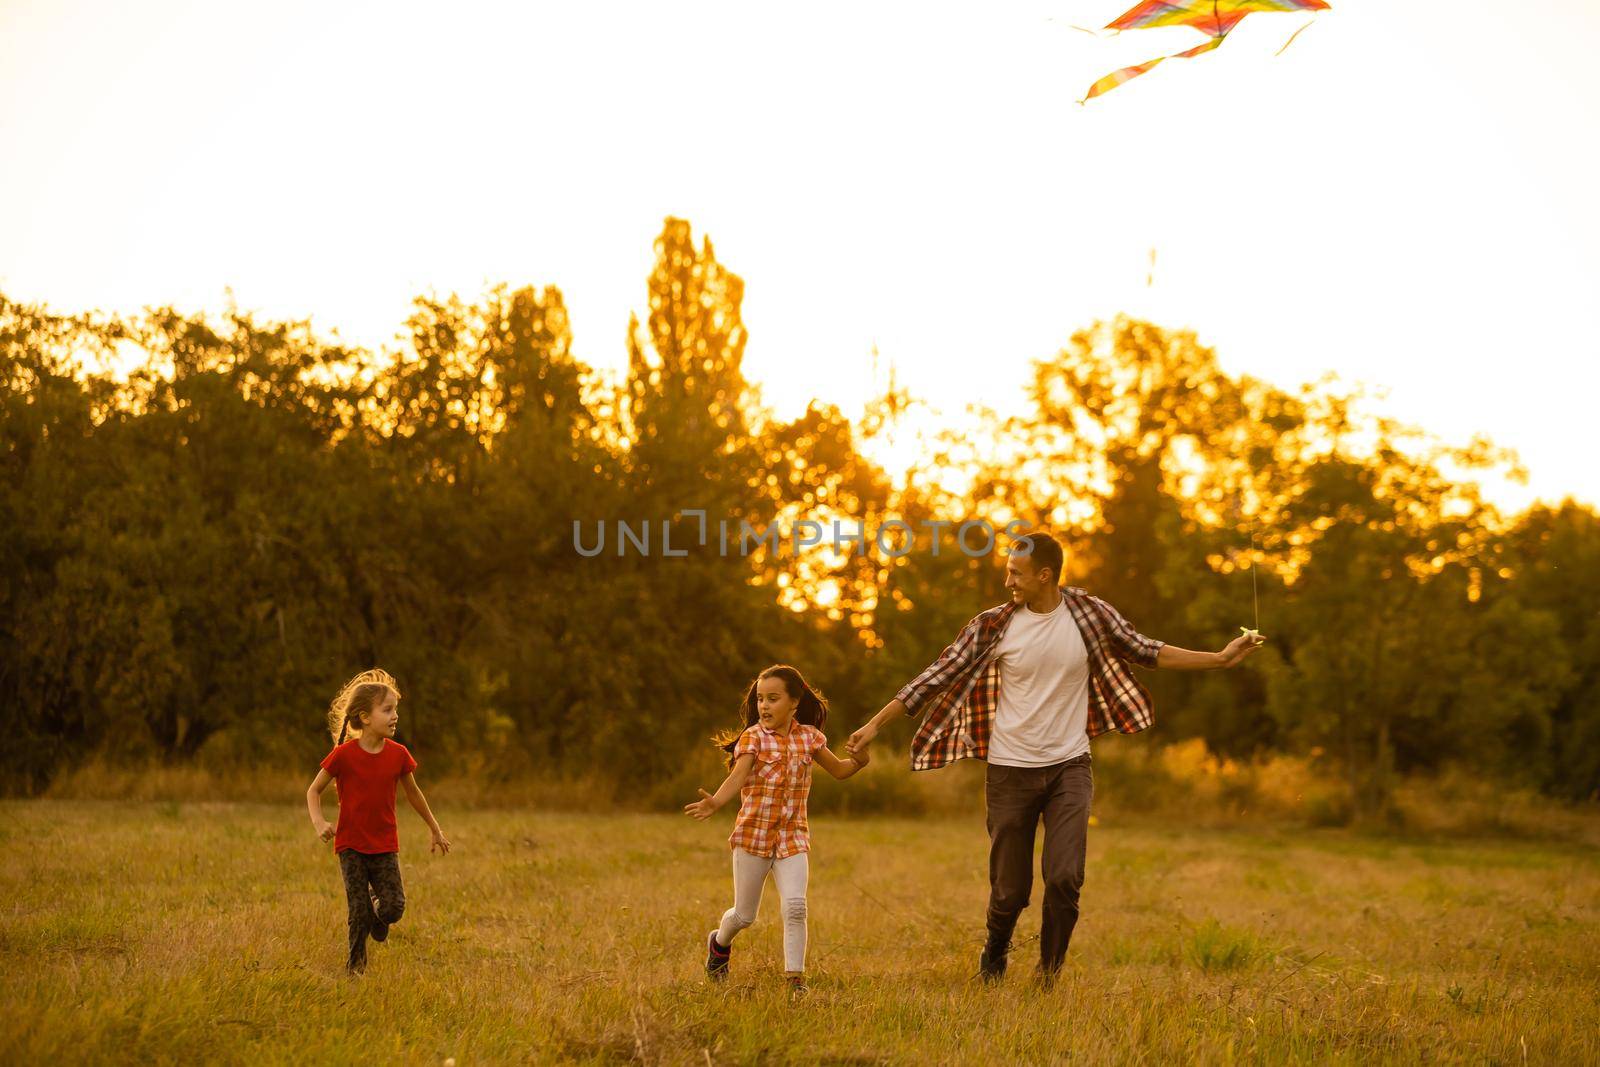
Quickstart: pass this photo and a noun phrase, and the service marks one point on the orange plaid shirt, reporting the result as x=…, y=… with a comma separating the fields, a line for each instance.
x=772, y=804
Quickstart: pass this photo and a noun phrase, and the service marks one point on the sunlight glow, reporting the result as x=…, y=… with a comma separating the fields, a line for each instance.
x=910, y=177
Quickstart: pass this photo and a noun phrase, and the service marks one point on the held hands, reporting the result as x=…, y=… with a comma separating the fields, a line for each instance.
x=1240, y=647
x=861, y=756
x=702, y=808
x=440, y=842
x=857, y=745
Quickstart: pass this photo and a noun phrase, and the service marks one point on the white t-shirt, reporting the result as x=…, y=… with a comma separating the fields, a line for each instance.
x=1043, y=714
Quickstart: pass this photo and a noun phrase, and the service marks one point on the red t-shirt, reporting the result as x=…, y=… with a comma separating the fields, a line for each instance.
x=366, y=783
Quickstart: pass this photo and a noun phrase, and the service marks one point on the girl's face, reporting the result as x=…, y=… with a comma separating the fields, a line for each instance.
x=383, y=719
x=774, y=706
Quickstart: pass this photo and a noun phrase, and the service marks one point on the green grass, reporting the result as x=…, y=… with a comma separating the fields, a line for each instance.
x=167, y=933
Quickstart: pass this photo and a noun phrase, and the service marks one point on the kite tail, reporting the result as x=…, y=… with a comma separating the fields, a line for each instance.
x=1127, y=74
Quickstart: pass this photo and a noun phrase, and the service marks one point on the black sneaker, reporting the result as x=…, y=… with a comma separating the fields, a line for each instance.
x=379, y=929
x=992, y=962
x=717, y=957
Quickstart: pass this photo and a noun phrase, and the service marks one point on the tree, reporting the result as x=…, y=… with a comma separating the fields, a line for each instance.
x=685, y=413
x=1552, y=563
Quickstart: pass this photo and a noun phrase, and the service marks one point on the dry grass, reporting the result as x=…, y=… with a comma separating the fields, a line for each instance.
x=1133, y=778
x=167, y=932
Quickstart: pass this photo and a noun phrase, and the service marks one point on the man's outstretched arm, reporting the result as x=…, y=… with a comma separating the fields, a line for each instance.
x=1173, y=658
x=1131, y=645
x=956, y=658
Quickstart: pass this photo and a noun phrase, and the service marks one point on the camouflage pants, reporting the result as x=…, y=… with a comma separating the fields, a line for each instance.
x=384, y=901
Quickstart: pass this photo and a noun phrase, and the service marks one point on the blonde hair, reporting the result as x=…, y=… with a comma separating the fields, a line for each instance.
x=360, y=695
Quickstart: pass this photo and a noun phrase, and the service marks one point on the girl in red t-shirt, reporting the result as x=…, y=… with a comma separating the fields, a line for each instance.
x=367, y=767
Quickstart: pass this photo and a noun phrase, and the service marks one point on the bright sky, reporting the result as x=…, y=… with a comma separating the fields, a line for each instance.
x=1405, y=196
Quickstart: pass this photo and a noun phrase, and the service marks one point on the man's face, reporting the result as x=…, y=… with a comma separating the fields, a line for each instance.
x=1024, y=579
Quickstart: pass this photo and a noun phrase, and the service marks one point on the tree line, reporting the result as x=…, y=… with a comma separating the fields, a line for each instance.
x=211, y=522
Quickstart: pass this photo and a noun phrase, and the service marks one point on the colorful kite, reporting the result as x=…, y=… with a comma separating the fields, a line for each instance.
x=1214, y=18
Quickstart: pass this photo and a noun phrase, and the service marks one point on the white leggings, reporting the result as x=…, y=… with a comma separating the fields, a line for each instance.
x=749, y=874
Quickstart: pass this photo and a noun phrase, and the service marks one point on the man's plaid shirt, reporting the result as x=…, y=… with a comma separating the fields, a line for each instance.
x=961, y=689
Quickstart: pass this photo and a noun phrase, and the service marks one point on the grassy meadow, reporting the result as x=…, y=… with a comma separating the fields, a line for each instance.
x=168, y=932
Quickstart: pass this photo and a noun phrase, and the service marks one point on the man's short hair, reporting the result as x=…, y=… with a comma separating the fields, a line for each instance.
x=1046, y=551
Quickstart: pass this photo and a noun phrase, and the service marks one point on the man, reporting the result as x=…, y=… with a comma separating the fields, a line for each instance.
x=1024, y=686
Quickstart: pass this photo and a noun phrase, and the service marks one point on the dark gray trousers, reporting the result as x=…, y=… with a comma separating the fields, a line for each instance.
x=1017, y=798
x=372, y=890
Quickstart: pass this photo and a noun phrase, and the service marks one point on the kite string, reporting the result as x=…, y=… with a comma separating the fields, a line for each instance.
x=1255, y=598
x=1292, y=36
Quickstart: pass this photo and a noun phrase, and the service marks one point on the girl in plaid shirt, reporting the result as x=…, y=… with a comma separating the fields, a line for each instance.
x=770, y=769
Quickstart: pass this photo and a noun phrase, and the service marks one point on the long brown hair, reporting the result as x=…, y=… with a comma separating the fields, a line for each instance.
x=812, y=709
x=360, y=695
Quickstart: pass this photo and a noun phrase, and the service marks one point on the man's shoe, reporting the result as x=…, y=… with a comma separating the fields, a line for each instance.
x=1045, y=977
x=992, y=962
x=379, y=929
x=717, y=958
